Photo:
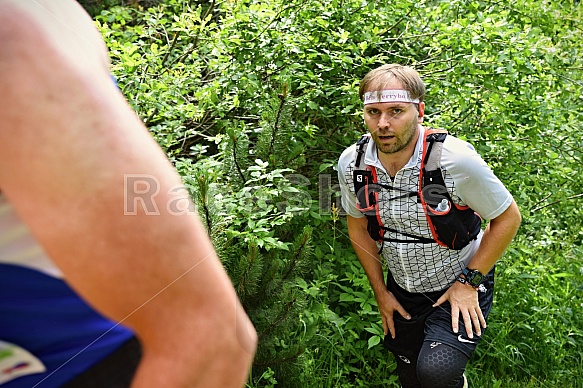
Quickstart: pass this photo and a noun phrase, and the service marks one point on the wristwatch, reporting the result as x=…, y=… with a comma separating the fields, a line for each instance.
x=472, y=277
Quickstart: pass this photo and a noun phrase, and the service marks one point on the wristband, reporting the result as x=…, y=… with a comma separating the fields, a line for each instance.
x=464, y=281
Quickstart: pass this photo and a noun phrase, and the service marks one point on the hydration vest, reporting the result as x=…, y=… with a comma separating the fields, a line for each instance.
x=451, y=225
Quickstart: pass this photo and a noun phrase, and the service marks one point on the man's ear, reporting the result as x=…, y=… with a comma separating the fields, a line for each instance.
x=421, y=110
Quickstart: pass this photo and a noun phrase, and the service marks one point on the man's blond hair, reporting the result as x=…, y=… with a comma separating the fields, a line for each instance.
x=384, y=74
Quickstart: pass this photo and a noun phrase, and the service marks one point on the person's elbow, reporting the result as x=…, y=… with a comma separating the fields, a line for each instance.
x=230, y=342
x=510, y=219
x=215, y=348
x=515, y=214
x=234, y=349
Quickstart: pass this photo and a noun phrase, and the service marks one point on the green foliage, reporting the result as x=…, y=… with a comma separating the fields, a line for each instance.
x=255, y=101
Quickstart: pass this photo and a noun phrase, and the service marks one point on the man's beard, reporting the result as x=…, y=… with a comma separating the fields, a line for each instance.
x=400, y=142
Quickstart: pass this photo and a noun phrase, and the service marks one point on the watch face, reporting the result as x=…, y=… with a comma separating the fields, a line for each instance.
x=475, y=277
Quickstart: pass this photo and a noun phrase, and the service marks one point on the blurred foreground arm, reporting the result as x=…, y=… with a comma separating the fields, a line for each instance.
x=68, y=143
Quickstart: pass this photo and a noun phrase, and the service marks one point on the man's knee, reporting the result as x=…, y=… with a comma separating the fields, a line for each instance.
x=441, y=366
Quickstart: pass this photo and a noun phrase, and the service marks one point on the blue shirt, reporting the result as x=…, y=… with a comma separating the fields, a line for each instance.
x=41, y=314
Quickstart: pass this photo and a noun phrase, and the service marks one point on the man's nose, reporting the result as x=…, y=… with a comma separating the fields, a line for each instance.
x=384, y=121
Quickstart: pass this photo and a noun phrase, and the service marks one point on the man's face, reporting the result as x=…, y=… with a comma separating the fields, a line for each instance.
x=393, y=125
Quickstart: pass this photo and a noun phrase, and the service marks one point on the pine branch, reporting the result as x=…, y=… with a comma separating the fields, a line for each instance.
x=280, y=361
x=244, y=278
x=235, y=160
x=207, y=216
x=281, y=318
x=296, y=258
x=276, y=124
x=203, y=198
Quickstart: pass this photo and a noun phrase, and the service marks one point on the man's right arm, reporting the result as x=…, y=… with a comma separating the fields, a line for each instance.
x=367, y=252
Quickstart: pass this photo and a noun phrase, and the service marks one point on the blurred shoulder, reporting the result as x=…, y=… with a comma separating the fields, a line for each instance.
x=36, y=28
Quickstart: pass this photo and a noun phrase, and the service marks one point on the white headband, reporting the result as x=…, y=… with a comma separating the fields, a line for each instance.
x=388, y=96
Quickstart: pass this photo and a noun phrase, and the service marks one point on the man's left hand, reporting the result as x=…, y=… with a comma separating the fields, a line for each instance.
x=464, y=299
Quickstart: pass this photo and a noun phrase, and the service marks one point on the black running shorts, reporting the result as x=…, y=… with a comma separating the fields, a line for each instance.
x=432, y=324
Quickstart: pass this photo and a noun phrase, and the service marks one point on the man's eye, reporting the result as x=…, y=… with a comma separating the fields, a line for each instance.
x=373, y=111
x=397, y=111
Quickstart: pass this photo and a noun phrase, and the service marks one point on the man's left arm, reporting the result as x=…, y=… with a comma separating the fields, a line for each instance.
x=464, y=298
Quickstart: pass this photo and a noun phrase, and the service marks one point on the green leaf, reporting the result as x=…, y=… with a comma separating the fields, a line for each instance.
x=373, y=341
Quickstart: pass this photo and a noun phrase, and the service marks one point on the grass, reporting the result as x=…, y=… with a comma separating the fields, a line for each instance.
x=535, y=330
x=534, y=336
